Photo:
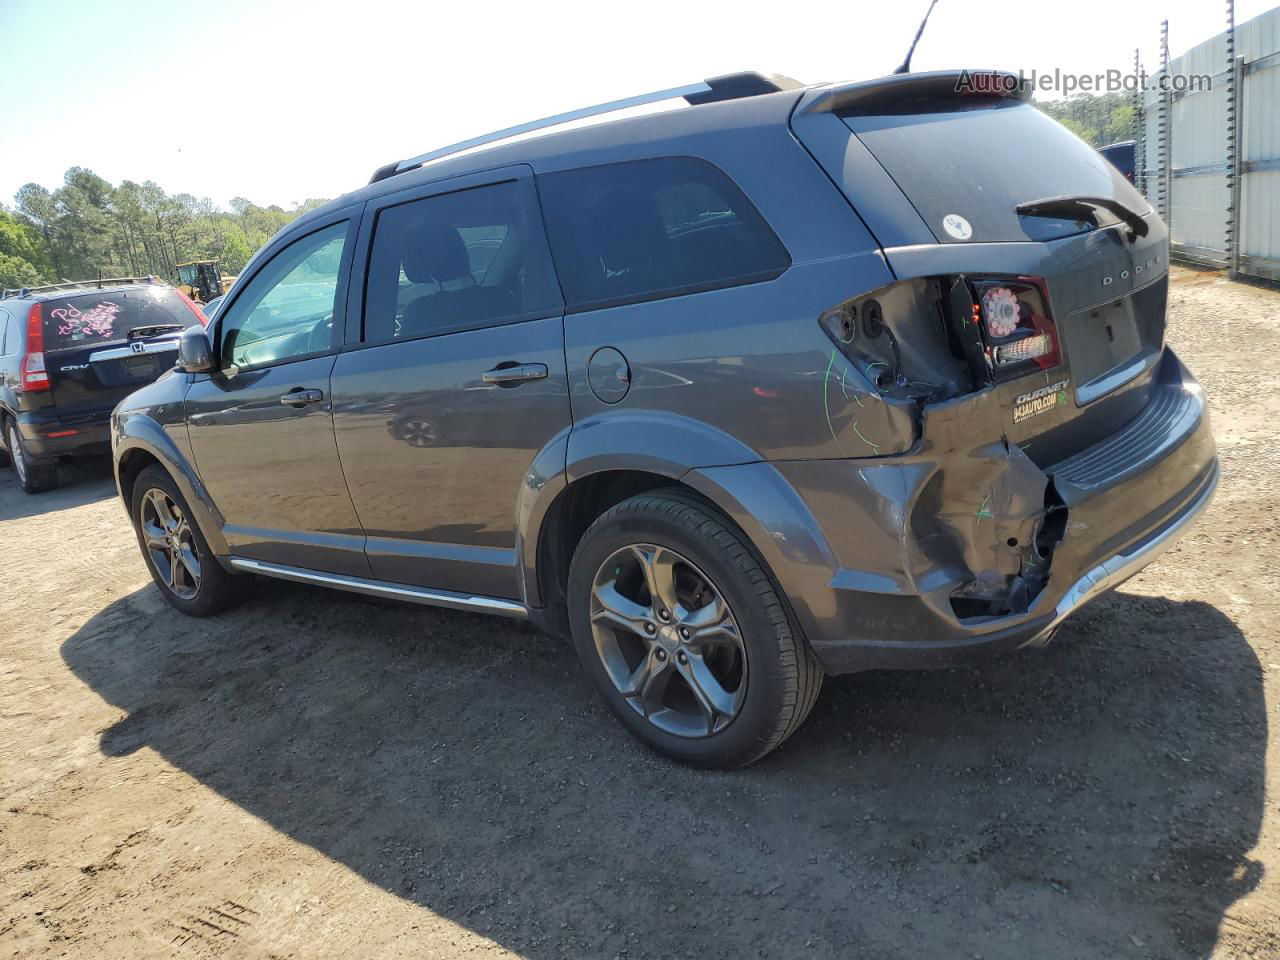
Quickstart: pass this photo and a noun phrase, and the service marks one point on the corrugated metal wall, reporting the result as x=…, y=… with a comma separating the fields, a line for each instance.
x=1193, y=166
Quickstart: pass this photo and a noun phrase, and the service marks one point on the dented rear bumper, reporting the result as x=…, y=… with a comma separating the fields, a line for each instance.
x=965, y=548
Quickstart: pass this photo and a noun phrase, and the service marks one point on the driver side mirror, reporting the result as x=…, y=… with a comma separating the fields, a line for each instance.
x=195, y=355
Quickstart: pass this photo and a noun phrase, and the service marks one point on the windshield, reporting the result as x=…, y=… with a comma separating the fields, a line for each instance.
x=967, y=170
x=92, y=318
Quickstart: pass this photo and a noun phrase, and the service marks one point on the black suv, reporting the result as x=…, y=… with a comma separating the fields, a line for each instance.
x=69, y=352
x=786, y=381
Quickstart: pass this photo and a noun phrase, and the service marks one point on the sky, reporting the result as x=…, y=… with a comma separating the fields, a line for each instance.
x=281, y=101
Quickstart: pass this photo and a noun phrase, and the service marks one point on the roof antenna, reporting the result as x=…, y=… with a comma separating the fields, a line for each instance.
x=906, y=64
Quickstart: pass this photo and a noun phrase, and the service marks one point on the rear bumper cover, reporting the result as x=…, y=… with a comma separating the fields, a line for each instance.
x=903, y=534
x=91, y=437
x=944, y=641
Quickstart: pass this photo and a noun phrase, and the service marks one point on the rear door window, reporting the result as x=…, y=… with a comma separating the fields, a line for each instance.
x=979, y=161
x=646, y=229
x=88, y=319
x=457, y=261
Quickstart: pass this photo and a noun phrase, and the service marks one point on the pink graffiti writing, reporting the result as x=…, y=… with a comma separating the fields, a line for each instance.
x=98, y=321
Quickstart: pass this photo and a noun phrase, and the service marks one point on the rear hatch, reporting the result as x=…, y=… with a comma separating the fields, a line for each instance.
x=959, y=178
x=101, y=346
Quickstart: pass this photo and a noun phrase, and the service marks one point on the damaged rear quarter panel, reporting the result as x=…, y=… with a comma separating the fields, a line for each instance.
x=931, y=520
x=976, y=514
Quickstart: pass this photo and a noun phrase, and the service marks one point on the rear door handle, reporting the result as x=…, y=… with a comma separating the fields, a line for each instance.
x=298, y=397
x=516, y=373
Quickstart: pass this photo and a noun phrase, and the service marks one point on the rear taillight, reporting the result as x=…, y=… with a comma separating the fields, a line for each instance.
x=32, y=376
x=1016, y=330
x=204, y=321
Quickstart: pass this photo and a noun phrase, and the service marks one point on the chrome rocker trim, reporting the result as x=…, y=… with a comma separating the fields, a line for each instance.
x=380, y=588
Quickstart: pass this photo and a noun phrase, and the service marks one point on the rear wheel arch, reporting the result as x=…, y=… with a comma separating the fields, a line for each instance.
x=581, y=503
x=567, y=518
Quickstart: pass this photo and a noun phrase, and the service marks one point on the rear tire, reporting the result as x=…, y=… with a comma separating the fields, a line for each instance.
x=684, y=634
x=185, y=570
x=33, y=477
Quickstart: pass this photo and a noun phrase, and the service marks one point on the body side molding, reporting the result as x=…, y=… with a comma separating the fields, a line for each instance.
x=381, y=588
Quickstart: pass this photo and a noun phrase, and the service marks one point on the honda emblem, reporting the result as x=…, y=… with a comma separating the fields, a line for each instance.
x=137, y=346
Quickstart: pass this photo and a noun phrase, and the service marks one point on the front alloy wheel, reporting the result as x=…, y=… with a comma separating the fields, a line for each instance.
x=170, y=544
x=668, y=640
x=184, y=568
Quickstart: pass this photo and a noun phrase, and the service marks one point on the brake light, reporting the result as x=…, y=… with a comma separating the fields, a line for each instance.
x=32, y=375
x=204, y=321
x=1017, y=330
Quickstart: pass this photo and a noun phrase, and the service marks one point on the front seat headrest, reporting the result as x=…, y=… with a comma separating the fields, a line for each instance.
x=435, y=253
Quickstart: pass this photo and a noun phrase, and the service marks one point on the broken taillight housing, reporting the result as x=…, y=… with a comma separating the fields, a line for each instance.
x=1017, y=331
x=896, y=338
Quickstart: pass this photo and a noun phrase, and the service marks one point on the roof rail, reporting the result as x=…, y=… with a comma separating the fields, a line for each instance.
x=77, y=284
x=731, y=86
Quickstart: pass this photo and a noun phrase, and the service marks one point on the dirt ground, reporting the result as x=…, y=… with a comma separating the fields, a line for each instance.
x=321, y=775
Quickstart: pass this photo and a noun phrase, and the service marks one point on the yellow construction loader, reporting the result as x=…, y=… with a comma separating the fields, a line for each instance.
x=201, y=280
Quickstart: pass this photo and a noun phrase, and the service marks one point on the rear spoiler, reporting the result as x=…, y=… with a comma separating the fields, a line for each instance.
x=898, y=93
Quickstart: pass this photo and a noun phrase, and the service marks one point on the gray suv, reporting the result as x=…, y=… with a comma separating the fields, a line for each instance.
x=784, y=382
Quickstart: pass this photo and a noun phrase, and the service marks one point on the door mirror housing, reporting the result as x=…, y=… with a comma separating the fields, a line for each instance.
x=195, y=355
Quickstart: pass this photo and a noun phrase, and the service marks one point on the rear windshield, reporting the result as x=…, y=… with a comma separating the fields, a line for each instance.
x=93, y=318
x=966, y=170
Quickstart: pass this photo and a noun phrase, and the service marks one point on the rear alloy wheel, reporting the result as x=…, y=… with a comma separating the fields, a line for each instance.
x=33, y=477
x=668, y=640
x=181, y=563
x=684, y=634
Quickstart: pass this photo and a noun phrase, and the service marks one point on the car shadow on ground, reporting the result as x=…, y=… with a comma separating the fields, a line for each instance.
x=1098, y=798
x=79, y=482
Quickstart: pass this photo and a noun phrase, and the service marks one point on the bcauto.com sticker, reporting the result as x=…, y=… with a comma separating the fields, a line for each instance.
x=1039, y=401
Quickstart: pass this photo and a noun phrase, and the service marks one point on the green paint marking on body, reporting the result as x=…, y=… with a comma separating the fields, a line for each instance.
x=826, y=404
x=983, y=511
x=875, y=447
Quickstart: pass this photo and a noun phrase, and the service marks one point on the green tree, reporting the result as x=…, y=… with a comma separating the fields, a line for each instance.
x=1096, y=119
x=21, y=251
x=89, y=228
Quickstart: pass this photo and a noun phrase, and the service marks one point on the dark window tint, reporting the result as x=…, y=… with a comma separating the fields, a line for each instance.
x=454, y=262
x=92, y=318
x=652, y=228
x=981, y=163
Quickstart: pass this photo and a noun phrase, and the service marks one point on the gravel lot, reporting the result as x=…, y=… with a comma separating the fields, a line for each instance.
x=318, y=774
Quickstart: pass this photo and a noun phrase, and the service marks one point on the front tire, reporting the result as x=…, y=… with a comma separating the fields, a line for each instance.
x=684, y=634
x=186, y=571
x=33, y=477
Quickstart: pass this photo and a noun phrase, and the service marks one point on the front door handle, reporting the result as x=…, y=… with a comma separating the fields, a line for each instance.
x=515, y=373
x=298, y=397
